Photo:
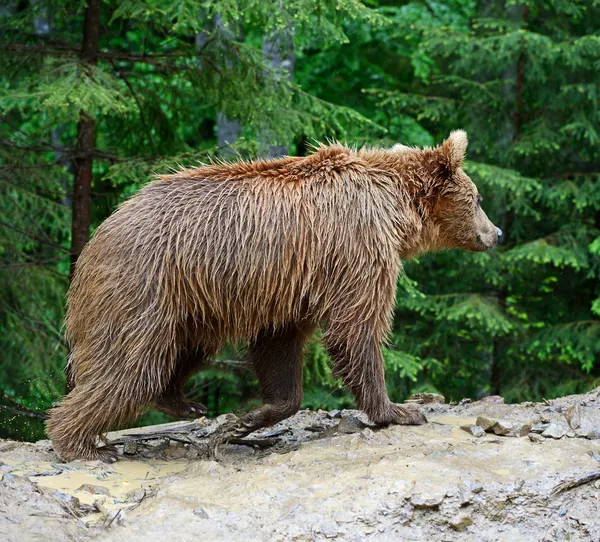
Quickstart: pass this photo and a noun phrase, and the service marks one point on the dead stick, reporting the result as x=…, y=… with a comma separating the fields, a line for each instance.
x=565, y=486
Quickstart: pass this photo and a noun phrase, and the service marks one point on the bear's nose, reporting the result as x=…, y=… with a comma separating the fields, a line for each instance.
x=499, y=231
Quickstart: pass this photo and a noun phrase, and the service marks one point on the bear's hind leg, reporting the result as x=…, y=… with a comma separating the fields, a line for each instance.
x=277, y=359
x=173, y=401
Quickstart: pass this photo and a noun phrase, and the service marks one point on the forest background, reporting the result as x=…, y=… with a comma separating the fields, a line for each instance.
x=95, y=98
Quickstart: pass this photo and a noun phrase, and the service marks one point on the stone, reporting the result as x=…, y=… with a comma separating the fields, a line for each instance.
x=426, y=501
x=465, y=496
x=540, y=427
x=461, y=521
x=555, y=431
x=136, y=495
x=465, y=401
x=334, y=414
x=535, y=437
x=350, y=424
x=130, y=447
x=367, y=434
x=573, y=416
x=521, y=429
x=485, y=423
x=502, y=427
x=475, y=430
x=94, y=490
x=474, y=487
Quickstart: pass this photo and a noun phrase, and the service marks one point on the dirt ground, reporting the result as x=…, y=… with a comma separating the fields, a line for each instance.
x=481, y=471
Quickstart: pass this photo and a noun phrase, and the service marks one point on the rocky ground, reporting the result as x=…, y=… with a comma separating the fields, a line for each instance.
x=478, y=471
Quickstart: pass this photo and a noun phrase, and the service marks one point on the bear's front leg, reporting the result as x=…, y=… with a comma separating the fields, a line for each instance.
x=357, y=360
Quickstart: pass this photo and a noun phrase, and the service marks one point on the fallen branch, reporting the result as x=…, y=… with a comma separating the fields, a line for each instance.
x=570, y=484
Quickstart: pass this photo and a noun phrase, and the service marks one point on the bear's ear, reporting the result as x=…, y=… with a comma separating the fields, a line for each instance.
x=454, y=149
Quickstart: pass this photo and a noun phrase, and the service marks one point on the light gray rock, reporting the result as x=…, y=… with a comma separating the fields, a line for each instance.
x=555, y=431
x=475, y=430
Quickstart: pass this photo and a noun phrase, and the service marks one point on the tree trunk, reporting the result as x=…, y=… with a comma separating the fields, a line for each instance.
x=228, y=130
x=81, y=203
x=84, y=148
x=278, y=47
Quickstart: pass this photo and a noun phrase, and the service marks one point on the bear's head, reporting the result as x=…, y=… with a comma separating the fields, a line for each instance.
x=449, y=201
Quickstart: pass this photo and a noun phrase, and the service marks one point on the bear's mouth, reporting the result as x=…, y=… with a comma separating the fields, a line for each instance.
x=486, y=245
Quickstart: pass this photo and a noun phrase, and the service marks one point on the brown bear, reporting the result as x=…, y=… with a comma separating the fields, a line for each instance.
x=261, y=252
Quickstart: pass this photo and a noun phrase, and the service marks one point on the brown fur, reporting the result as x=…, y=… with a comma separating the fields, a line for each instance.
x=261, y=252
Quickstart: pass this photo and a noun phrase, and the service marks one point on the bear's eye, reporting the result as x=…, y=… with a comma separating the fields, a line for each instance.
x=479, y=199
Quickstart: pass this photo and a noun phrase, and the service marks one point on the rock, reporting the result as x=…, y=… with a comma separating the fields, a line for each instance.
x=367, y=434
x=540, y=427
x=573, y=416
x=465, y=401
x=475, y=430
x=502, y=427
x=426, y=398
x=485, y=423
x=94, y=490
x=535, y=437
x=465, y=496
x=474, y=487
x=334, y=414
x=555, y=431
x=461, y=521
x=426, y=501
x=130, y=447
x=350, y=424
x=137, y=495
x=521, y=429
x=594, y=434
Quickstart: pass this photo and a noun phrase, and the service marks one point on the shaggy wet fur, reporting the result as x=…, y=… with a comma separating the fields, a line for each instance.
x=260, y=252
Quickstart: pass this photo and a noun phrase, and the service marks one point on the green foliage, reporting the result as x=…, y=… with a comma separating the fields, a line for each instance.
x=522, y=320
